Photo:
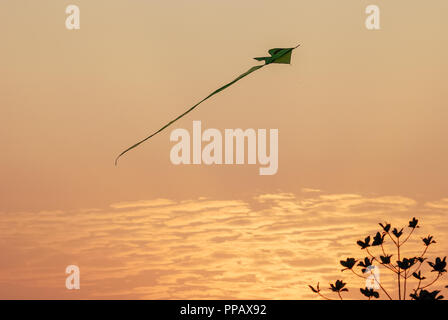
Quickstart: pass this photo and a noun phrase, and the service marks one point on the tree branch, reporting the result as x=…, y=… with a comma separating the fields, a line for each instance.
x=407, y=237
x=439, y=275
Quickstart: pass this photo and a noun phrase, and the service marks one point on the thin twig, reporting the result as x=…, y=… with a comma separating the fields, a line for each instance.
x=420, y=263
x=438, y=276
x=404, y=289
x=399, y=270
x=320, y=294
x=374, y=258
x=407, y=237
x=384, y=290
x=391, y=237
x=385, y=254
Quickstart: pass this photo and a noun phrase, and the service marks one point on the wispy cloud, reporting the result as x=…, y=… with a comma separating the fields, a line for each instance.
x=268, y=247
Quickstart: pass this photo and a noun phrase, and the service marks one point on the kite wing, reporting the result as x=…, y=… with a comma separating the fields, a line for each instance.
x=278, y=55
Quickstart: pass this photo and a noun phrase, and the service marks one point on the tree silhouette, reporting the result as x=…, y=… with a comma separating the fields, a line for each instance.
x=403, y=268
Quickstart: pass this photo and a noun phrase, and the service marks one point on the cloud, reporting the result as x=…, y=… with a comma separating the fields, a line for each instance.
x=441, y=204
x=309, y=190
x=201, y=248
x=142, y=203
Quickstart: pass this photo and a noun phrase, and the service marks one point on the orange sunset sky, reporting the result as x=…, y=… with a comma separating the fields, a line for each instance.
x=362, y=119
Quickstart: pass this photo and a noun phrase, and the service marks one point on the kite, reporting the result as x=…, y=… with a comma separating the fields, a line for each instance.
x=277, y=55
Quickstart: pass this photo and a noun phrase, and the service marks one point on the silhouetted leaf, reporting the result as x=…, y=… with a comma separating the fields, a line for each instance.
x=364, y=244
x=397, y=233
x=348, y=263
x=338, y=286
x=369, y=293
x=418, y=275
x=378, y=239
x=413, y=223
x=385, y=259
x=428, y=240
x=315, y=290
x=439, y=265
x=406, y=263
x=366, y=263
x=386, y=227
x=426, y=295
x=420, y=259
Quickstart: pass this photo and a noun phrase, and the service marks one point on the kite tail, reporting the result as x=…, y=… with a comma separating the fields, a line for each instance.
x=189, y=110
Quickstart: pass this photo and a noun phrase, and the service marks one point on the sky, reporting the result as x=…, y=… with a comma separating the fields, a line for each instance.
x=362, y=135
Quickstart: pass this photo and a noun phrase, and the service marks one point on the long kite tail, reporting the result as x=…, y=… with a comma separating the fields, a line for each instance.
x=189, y=110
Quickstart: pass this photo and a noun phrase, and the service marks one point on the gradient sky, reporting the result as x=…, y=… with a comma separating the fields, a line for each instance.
x=362, y=138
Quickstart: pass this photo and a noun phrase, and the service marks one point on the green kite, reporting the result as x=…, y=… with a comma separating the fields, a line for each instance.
x=278, y=55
